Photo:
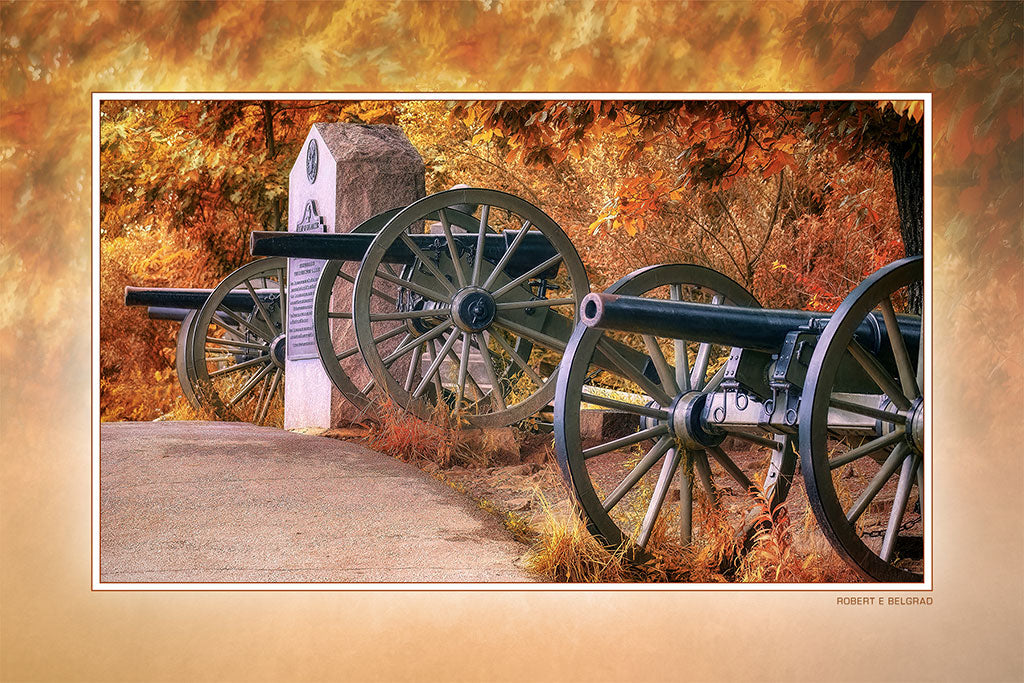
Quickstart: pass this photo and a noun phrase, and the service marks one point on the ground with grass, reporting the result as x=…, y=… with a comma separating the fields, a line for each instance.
x=513, y=474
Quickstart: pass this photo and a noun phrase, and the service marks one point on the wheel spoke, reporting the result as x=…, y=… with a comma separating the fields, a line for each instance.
x=682, y=362
x=534, y=303
x=478, y=258
x=715, y=380
x=606, y=402
x=435, y=365
x=899, y=508
x=426, y=262
x=439, y=312
x=406, y=346
x=509, y=286
x=639, y=470
x=700, y=366
x=703, y=469
x=414, y=364
x=453, y=249
x=218, y=359
x=889, y=467
x=498, y=269
x=899, y=350
x=686, y=499
x=248, y=386
x=262, y=334
x=700, y=363
x=270, y=396
x=544, y=340
x=261, y=397
x=492, y=375
x=460, y=382
x=517, y=359
x=632, y=373
x=390, y=334
x=665, y=373
x=373, y=290
x=629, y=440
x=340, y=315
x=231, y=342
x=668, y=469
x=456, y=361
x=437, y=377
x=729, y=466
x=872, y=446
x=432, y=294
x=265, y=358
x=259, y=306
x=879, y=374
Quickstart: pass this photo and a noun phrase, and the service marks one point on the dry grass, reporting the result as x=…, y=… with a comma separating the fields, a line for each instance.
x=406, y=437
x=565, y=551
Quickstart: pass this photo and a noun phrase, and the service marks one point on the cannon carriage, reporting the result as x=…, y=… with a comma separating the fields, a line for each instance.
x=740, y=387
x=468, y=319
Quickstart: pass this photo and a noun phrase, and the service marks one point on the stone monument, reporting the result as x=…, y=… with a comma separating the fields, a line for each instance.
x=344, y=174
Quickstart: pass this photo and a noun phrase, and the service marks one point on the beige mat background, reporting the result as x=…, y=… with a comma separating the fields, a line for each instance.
x=54, y=55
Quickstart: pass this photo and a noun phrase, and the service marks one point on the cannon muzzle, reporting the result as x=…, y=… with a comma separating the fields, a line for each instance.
x=758, y=329
x=352, y=246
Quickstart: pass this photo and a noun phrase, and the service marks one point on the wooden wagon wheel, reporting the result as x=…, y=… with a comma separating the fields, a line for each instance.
x=238, y=358
x=183, y=366
x=419, y=329
x=332, y=315
x=614, y=473
x=867, y=491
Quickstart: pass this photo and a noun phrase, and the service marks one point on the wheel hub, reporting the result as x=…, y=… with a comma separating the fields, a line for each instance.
x=277, y=351
x=687, y=423
x=473, y=309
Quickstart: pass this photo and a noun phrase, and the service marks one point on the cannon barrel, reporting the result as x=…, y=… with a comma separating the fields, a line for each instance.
x=758, y=329
x=168, y=313
x=192, y=299
x=352, y=246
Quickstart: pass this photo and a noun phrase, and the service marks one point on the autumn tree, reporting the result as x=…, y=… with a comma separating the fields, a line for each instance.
x=182, y=184
x=715, y=145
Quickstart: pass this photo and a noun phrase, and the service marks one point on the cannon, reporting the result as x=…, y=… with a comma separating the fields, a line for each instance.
x=470, y=318
x=738, y=386
x=237, y=348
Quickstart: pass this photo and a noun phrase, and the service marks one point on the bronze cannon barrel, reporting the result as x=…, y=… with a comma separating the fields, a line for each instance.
x=352, y=246
x=759, y=329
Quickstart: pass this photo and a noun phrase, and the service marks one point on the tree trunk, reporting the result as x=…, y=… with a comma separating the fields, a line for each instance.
x=906, y=159
x=268, y=137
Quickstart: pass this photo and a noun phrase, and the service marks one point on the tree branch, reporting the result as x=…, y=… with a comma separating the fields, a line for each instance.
x=880, y=44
